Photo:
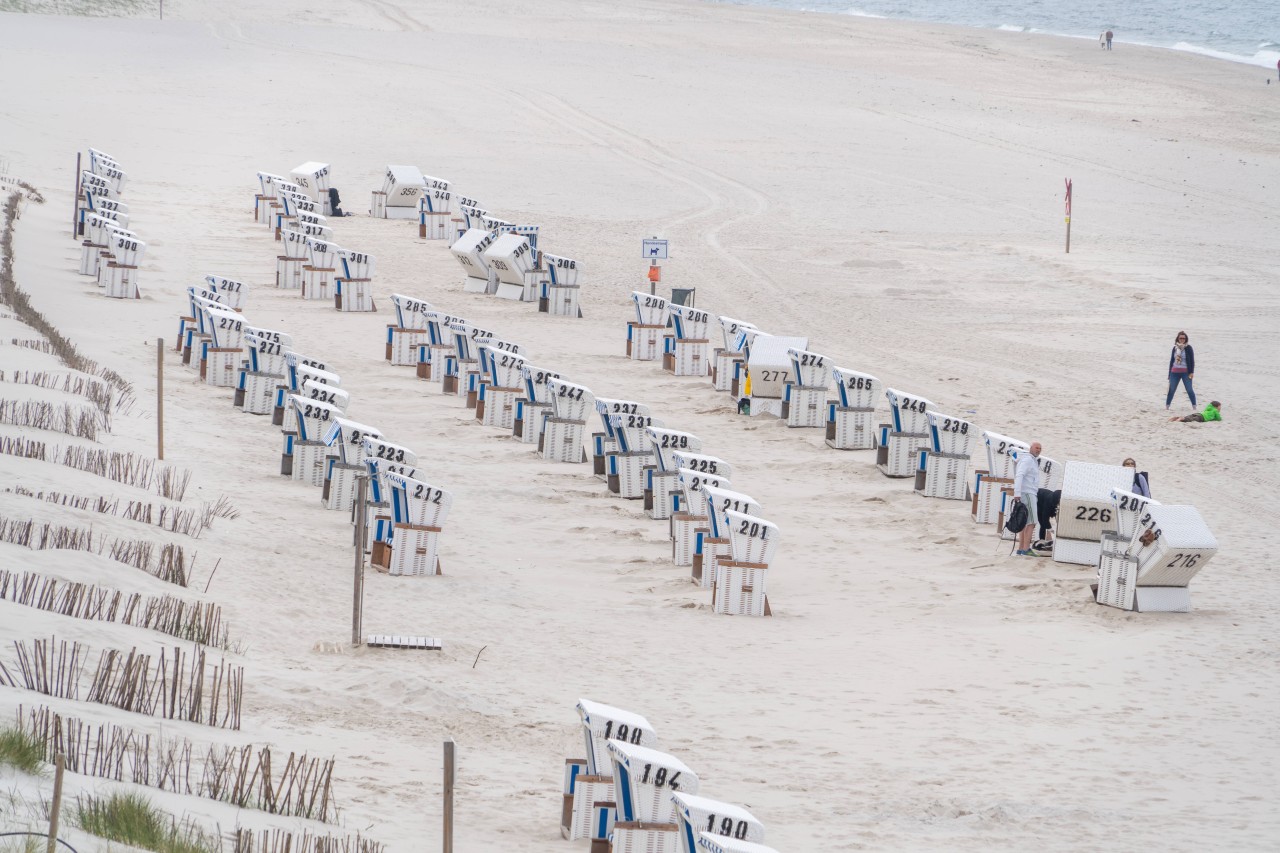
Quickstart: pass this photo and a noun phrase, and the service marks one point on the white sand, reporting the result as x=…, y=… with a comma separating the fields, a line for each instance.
x=892, y=191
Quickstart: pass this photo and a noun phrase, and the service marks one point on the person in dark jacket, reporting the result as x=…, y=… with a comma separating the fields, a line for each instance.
x=1141, y=485
x=1047, y=501
x=1182, y=367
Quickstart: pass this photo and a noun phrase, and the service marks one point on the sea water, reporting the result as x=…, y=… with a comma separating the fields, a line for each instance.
x=1238, y=30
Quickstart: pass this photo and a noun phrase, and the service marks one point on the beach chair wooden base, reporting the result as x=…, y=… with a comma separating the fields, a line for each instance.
x=644, y=343
x=468, y=384
x=723, y=368
x=289, y=272
x=119, y=281
x=353, y=295
x=739, y=589
x=404, y=345
x=263, y=209
x=639, y=837
x=414, y=550
x=380, y=557
x=474, y=284
x=431, y=361
x=804, y=407
x=898, y=453
x=434, y=226
x=497, y=407
x=317, y=282
x=378, y=205
x=89, y=254
x=561, y=440
x=711, y=552
x=561, y=300
x=193, y=356
x=1162, y=599
x=601, y=446
x=339, y=492
x=309, y=462
x=185, y=324
x=660, y=488
x=943, y=476
x=526, y=426
x=627, y=474
x=689, y=357
x=578, y=810
x=1081, y=552
x=1117, y=575
x=684, y=536
x=403, y=641
x=849, y=428
x=220, y=367
x=984, y=507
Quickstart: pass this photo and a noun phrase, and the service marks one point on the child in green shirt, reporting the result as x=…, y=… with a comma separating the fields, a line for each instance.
x=1212, y=412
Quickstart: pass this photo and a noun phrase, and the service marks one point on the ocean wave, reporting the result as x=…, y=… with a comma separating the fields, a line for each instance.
x=861, y=13
x=1263, y=58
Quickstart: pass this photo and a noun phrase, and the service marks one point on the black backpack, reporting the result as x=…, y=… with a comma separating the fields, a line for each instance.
x=1017, y=518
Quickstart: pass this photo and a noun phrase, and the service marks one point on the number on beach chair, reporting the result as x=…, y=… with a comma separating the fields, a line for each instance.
x=559, y=288
x=709, y=842
x=645, y=779
x=513, y=261
x=402, y=188
x=696, y=815
x=469, y=251
x=644, y=333
x=851, y=416
x=898, y=444
x=943, y=466
x=535, y=406
x=804, y=395
x=768, y=369
x=562, y=432
x=1085, y=510
x=690, y=347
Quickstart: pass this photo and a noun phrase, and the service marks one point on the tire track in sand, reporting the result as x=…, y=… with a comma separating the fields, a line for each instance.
x=724, y=194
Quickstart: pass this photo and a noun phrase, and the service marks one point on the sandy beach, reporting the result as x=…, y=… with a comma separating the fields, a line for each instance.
x=891, y=191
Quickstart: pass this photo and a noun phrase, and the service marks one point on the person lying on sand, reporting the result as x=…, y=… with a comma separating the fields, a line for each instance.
x=1212, y=412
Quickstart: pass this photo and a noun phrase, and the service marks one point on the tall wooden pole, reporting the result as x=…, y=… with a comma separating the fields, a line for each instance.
x=1068, y=216
x=59, y=763
x=449, y=756
x=357, y=592
x=160, y=398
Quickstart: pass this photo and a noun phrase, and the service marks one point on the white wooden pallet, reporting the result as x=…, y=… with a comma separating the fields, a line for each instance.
x=402, y=641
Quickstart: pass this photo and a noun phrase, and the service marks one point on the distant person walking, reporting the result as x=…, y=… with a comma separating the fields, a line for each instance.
x=1026, y=489
x=1182, y=368
x=1108, y=34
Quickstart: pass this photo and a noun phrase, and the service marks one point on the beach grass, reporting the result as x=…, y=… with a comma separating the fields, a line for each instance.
x=132, y=819
x=23, y=844
x=20, y=751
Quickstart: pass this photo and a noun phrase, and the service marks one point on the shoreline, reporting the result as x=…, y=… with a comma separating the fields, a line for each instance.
x=1265, y=55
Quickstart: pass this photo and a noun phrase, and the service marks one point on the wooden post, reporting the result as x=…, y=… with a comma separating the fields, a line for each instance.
x=1068, y=216
x=160, y=398
x=59, y=763
x=449, y=756
x=76, y=200
x=357, y=592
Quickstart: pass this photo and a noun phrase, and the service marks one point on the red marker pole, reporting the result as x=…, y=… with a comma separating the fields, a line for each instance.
x=1068, y=180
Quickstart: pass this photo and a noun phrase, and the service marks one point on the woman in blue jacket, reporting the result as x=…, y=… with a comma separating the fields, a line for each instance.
x=1182, y=367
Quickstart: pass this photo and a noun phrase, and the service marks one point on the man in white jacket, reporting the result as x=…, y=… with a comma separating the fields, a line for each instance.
x=1026, y=486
